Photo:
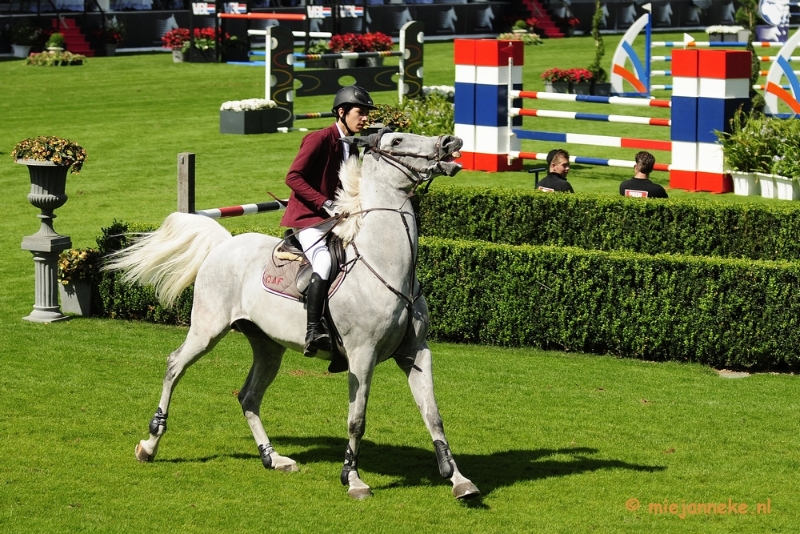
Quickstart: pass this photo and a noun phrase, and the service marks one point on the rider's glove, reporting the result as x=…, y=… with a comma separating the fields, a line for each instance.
x=328, y=207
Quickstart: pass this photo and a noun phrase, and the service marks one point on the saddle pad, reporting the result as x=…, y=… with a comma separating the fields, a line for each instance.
x=280, y=275
x=281, y=272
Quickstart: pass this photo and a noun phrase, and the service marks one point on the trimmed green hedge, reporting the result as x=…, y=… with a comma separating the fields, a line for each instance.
x=720, y=312
x=597, y=222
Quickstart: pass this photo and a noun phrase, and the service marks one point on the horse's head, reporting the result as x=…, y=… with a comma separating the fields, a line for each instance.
x=421, y=158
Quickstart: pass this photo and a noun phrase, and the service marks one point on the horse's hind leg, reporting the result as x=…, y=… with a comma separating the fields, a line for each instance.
x=197, y=344
x=267, y=357
x=420, y=380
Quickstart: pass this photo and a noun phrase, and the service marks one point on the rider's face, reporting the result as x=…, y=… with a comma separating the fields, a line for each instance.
x=355, y=119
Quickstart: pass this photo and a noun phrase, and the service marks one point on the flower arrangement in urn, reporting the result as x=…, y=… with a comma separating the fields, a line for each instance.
x=61, y=152
x=77, y=264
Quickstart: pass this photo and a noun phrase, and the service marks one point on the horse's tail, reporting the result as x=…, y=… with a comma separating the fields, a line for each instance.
x=170, y=257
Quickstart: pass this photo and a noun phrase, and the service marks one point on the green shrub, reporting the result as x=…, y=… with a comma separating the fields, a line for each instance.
x=602, y=222
x=719, y=312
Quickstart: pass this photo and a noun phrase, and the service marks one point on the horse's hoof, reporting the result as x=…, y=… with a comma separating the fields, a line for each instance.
x=359, y=494
x=466, y=490
x=142, y=455
x=288, y=468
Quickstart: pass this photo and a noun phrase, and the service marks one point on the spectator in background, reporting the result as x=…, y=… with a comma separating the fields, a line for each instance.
x=556, y=179
x=640, y=185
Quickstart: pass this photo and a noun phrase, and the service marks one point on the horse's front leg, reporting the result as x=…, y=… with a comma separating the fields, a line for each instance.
x=362, y=367
x=420, y=380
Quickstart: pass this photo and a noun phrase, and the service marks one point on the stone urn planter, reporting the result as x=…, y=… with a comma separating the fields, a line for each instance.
x=177, y=56
x=111, y=49
x=48, y=193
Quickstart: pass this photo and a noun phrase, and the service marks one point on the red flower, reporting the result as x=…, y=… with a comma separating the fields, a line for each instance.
x=174, y=39
x=375, y=42
x=348, y=42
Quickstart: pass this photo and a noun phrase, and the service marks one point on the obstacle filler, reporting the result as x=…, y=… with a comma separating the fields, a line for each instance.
x=640, y=77
x=710, y=86
x=280, y=77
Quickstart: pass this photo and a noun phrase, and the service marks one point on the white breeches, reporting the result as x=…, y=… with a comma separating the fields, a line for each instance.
x=315, y=248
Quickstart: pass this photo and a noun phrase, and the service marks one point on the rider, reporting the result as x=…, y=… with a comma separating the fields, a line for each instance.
x=313, y=179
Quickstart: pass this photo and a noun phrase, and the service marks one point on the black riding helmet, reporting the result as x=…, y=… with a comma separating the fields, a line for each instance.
x=350, y=96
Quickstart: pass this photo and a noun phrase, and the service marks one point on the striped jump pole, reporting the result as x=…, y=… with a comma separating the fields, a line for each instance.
x=594, y=140
x=243, y=209
x=263, y=16
x=574, y=115
x=714, y=44
x=542, y=156
x=617, y=100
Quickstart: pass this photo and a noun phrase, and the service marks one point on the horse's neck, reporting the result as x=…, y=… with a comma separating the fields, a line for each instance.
x=388, y=235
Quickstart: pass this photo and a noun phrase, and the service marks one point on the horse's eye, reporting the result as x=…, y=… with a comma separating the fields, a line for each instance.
x=396, y=141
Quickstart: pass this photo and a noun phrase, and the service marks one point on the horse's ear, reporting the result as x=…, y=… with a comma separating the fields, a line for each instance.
x=357, y=141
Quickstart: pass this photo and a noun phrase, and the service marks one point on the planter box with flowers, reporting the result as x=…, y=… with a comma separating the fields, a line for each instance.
x=570, y=25
x=556, y=80
x=252, y=116
x=368, y=42
x=763, y=155
x=317, y=48
x=77, y=270
x=580, y=81
x=731, y=34
x=23, y=37
x=110, y=37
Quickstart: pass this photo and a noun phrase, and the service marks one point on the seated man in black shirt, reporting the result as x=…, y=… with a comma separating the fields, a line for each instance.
x=640, y=185
x=556, y=179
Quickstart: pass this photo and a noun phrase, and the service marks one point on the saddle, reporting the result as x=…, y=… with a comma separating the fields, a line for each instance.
x=288, y=272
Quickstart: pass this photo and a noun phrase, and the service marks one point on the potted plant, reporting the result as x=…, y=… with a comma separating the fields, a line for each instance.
x=580, y=81
x=600, y=85
x=77, y=269
x=520, y=26
x=56, y=42
x=527, y=38
x=570, y=25
x=251, y=116
x=318, y=48
x=111, y=36
x=747, y=155
x=23, y=37
x=374, y=42
x=385, y=115
x=176, y=40
x=556, y=80
x=347, y=42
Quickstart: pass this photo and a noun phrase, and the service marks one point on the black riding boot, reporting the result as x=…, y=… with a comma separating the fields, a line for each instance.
x=317, y=337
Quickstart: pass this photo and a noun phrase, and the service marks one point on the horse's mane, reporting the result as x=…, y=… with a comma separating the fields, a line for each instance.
x=348, y=200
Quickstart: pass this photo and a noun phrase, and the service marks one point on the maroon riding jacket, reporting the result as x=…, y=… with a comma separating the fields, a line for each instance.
x=313, y=177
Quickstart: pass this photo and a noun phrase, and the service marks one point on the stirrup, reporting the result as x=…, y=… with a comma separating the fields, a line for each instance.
x=316, y=339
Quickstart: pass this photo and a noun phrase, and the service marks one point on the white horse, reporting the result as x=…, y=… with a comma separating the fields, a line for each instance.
x=378, y=309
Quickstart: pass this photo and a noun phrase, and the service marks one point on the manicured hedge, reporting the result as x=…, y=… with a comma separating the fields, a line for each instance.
x=598, y=222
x=720, y=312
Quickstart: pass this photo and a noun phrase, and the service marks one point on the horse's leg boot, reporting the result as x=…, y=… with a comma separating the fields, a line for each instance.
x=317, y=337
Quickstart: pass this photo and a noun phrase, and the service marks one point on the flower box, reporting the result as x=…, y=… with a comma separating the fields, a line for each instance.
x=601, y=89
x=581, y=88
x=252, y=121
x=786, y=188
x=767, y=184
x=76, y=297
x=745, y=183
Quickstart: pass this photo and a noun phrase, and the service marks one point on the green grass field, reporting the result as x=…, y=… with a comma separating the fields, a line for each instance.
x=556, y=442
